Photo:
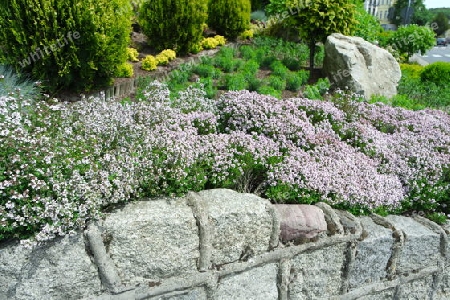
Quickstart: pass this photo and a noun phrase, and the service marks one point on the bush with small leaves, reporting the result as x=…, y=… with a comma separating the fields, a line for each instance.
x=66, y=44
x=132, y=55
x=246, y=34
x=125, y=70
x=221, y=40
x=437, y=73
x=229, y=17
x=149, y=63
x=209, y=43
x=174, y=24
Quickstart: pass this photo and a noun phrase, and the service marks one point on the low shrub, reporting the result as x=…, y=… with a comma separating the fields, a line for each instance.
x=132, y=55
x=206, y=71
x=277, y=82
x=13, y=85
x=149, y=63
x=295, y=80
x=278, y=69
x=246, y=34
x=270, y=91
x=209, y=43
x=437, y=73
x=221, y=40
x=125, y=70
x=411, y=70
x=235, y=82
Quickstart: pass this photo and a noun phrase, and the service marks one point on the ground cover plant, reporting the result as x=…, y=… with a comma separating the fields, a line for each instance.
x=268, y=65
x=63, y=164
x=422, y=87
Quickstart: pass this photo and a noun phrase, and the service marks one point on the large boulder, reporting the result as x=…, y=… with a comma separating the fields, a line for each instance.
x=366, y=69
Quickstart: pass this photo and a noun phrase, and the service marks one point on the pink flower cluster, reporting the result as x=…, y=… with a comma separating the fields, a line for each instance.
x=61, y=164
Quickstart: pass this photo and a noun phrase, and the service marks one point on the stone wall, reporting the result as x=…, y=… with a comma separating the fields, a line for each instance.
x=220, y=244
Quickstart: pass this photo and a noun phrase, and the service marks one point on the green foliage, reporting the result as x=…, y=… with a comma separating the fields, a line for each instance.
x=258, y=5
x=235, y=82
x=317, y=90
x=416, y=14
x=368, y=26
x=205, y=70
x=278, y=69
x=249, y=68
x=437, y=73
x=269, y=90
x=276, y=7
x=440, y=24
x=320, y=18
x=66, y=44
x=229, y=17
x=417, y=93
x=411, y=70
x=277, y=82
x=125, y=70
x=412, y=39
x=174, y=24
x=295, y=80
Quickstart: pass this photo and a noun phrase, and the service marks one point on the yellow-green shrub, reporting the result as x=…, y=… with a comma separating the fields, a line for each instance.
x=132, y=54
x=246, y=34
x=169, y=53
x=412, y=71
x=221, y=40
x=149, y=63
x=196, y=48
x=125, y=70
x=161, y=60
x=209, y=43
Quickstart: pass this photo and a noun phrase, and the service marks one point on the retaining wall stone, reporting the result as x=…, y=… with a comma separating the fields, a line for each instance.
x=220, y=244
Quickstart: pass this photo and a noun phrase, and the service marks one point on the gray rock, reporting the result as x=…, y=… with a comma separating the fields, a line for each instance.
x=150, y=240
x=360, y=66
x=240, y=225
x=372, y=254
x=59, y=270
x=300, y=221
x=421, y=246
x=13, y=258
x=383, y=295
x=416, y=289
x=317, y=274
x=258, y=283
x=194, y=294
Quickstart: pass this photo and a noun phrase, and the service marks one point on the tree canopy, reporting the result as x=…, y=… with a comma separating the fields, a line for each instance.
x=410, y=12
x=315, y=20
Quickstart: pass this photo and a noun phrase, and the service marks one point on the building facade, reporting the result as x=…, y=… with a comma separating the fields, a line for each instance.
x=382, y=10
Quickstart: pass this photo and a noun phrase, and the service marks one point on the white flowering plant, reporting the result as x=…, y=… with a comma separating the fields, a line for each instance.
x=62, y=163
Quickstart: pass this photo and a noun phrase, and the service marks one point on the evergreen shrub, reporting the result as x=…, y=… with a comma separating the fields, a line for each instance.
x=66, y=43
x=438, y=73
x=229, y=17
x=174, y=25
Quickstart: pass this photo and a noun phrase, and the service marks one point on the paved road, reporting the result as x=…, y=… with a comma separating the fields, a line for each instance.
x=438, y=53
